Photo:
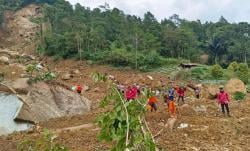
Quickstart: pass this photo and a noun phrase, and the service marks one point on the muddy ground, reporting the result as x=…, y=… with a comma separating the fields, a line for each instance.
x=207, y=129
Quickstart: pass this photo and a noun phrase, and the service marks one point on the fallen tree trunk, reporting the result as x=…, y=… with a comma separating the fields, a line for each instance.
x=13, y=91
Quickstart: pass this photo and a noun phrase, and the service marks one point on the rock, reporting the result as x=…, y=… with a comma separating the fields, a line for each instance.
x=150, y=77
x=97, y=89
x=198, y=85
x=39, y=66
x=67, y=76
x=111, y=77
x=4, y=60
x=86, y=88
x=21, y=85
x=200, y=108
x=184, y=106
x=183, y=125
x=28, y=57
x=24, y=76
x=186, y=109
x=47, y=101
x=22, y=67
x=170, y=123
x=212, y=91
x=235, y=85
x=161, y=124
x=76, y=71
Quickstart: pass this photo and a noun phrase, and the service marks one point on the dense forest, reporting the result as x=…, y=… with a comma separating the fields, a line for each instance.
x=110, y=36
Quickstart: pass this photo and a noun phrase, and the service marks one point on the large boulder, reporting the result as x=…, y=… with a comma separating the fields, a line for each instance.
x=211, y=91
x=21, y=85
x=235, y=85
x=67, y=76
x=47, y=101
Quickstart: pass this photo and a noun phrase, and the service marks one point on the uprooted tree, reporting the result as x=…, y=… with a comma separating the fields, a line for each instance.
x=124, y=123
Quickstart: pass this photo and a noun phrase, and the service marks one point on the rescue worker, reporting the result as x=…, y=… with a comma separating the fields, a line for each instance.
x=223, y=100
x=170, y=102
x=152, y=103
x=197, y=92
x=131, y=93
x=79, y=89
x=181, y=93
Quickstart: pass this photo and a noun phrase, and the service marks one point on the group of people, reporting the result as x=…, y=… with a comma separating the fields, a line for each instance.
x=132, y=92
x=170, y=94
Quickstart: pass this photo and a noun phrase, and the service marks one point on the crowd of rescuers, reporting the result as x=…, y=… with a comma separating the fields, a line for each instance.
x=170, y=92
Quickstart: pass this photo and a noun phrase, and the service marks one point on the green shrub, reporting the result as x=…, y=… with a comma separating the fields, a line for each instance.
x=243, y=72
x=149, y=61
x=30, y=68
x=173, y=61
x=199, y=72
x=119, y=58
x=183, y=75
x=45, y=143
x=233, y=66
x=216, y=71
x=239, y=96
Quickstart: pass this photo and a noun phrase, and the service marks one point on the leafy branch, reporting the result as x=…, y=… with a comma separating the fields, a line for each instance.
x=124, y=123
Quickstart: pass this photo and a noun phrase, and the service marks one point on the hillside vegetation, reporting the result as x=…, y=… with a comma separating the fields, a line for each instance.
x=110, y=36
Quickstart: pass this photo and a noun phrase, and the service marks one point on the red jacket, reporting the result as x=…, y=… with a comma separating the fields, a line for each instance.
x=181, y=91
x=152, y=100
x=131, y=93
x=223, y=98
x=78, y=88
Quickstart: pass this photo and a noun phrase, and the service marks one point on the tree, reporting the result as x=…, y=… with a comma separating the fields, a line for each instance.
x=94, y=34
x=216, y=71
x=125, y=123
x=243, y=72
x=233, y=66
x=217, y=47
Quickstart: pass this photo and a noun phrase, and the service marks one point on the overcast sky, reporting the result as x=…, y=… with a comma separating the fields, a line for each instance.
x=205, y=10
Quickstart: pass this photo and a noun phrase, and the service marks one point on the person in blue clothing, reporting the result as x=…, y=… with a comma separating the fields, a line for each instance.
x=169, y=99
x=171, y=93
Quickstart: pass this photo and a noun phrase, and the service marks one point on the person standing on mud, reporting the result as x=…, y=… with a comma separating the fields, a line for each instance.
x=197, y=92
x=223, y=100
x=181, y=93
x=170, y=102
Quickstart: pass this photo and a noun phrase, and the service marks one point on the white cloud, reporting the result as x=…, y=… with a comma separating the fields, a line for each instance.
x=205, y=10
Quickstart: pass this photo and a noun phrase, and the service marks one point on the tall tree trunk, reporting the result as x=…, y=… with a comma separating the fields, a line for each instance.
x=245, y=56
x=136, y=51
x=216, y=59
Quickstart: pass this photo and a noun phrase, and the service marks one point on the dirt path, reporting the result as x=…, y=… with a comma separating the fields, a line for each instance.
x=76, y=128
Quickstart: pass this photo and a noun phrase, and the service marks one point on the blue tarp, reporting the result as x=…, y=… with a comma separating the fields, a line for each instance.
x=10, y=106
